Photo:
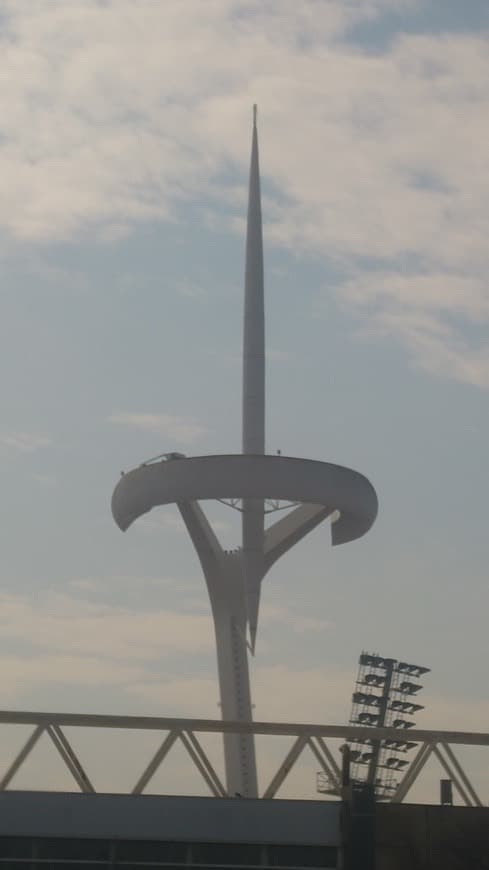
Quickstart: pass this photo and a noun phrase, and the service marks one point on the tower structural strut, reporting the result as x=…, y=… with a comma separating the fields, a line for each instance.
x=318, y=489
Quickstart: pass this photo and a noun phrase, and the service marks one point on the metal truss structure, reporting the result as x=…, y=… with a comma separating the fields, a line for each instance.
x=385, y=696
x=270, y=505
x=437, y=743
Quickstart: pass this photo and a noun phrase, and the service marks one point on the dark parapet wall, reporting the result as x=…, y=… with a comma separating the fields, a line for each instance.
x=419, y=837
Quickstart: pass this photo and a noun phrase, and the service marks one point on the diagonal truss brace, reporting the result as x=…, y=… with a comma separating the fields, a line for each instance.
x=412, y=772
x=70, y=758
x=462, y=775
x=454, y=770
x=327, y=761
x=451, y=766
x=285, y=533
x=196, y=753
x=202, y=763
x=155, y=762
x=64, y=749
x=323, y=754
x=21, y=756
x=286, y=766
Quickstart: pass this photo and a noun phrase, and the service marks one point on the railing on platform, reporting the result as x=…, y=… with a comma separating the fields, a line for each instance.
x=315, y=737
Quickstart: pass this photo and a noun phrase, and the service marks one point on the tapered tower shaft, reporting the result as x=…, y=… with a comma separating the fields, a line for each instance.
x=234, y=579
x=253, y=517
x=223, y=574
x=254, y=317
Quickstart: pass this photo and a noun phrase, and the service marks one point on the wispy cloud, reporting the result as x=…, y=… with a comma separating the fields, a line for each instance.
x=23, y=442
x=184, y=430
x=74, y=626
x=156, y=523
x=293, y=619
x=191, y=290
x=171, y=521
x=101, y=132
x=441, y=319
x=89, y=588
x=47, y=669
x=320, y=694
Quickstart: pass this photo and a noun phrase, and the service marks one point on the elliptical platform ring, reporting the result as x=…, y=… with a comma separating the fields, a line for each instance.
x=245, y=476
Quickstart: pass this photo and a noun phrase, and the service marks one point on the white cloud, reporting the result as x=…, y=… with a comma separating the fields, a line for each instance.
x=424, y=312
x=301, y=694
x=91, y=586
x=463, y=715
x=72, y=626
x=184, y=430
x=29, y=672
x=171, y=521
x=191, y=290
x=380, y=159
x=24, y=442
x=117, y=127
x=451, y=294
x=293, y=619
x=155, y=523
x=186, y=696
x=435, y=345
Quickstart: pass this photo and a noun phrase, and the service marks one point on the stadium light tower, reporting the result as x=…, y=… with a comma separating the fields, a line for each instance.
x=255, y=484
x=385, y=696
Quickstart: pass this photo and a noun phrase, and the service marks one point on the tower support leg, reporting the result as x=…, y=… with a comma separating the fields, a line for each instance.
x=229, y=611
x=224, y=575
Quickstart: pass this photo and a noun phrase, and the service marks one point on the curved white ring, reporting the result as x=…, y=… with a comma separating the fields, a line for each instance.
x=246, y=476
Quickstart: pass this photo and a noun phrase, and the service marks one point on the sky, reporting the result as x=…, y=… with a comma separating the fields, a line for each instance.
x=124, y=151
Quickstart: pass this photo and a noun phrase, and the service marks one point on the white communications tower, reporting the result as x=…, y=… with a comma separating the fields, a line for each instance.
x=256, y=484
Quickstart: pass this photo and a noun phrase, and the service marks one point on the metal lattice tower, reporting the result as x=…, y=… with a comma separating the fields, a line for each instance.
x=385, y=696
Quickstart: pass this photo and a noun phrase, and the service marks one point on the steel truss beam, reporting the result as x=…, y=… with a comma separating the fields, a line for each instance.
x=155, y=762
x=412, y=772
x=437, y=743
x=70, y=758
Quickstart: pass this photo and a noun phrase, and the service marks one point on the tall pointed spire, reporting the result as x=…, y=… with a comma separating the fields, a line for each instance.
x=253, y=523
x=254, y=318
x=234, y=578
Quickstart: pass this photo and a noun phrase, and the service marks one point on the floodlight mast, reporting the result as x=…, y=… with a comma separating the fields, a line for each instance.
x=234, y=578
x=383, y=695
